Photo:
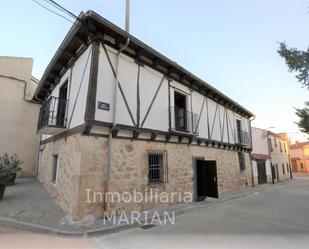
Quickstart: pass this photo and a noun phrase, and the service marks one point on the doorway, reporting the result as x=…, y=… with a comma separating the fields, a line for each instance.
x=273, y=173
x=261, y=167
x=277, y=172
x=180, y=101
x=206, y=180
x=62, y=104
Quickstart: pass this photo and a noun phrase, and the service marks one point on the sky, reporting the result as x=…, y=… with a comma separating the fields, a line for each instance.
x=231, y=44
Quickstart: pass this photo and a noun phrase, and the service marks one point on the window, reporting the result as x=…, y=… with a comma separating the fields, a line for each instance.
x=283, y=169
x=275, y=140
x=157, y=162
x=270, y=145
x=280, y=146
x=239, y=129
x=287, y=167
x=242, y=163
x=285, y=150
x=301, y=165
x=54, y=169
x=181, y=118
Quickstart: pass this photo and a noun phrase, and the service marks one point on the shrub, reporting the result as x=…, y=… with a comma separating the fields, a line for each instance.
x=10, y=164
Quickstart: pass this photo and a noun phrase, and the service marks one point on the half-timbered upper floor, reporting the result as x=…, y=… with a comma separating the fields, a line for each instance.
x=154, y=99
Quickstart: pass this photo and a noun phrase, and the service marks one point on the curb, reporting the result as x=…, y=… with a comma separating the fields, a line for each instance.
x=36, y=228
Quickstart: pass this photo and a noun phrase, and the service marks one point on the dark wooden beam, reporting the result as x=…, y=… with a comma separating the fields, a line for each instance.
x=168, y=138
x=153, y=136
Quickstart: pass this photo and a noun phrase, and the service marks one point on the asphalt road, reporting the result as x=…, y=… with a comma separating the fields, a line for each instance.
x=275, y=218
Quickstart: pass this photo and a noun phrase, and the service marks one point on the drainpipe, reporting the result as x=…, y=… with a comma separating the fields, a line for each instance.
x=114, y=124
x=251, y=145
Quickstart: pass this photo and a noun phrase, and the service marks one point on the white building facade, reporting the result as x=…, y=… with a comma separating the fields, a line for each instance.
x=270, y=156
x=119, y=116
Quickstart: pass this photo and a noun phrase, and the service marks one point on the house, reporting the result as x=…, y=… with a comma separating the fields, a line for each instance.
x=118, y=116
x=261, y=159
x=270, y=156
x=300, y=157
x=280, y=155
x=19, y=113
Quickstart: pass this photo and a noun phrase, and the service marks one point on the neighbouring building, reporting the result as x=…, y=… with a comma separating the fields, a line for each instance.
x=280, y=156
x=270, y=156
x=19, y=113
x=300, y=157
x=261, y=159
x=118, y=116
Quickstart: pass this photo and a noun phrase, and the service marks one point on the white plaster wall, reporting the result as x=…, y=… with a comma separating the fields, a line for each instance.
x=158, y=115
x=80, y=68
x=259, y=141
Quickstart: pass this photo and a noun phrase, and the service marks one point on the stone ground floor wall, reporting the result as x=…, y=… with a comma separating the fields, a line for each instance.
x=82, y=172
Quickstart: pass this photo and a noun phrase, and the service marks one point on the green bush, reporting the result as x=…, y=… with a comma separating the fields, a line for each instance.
x=9, y=164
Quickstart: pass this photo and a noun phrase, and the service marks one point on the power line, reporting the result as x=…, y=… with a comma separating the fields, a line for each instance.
x=52, y=11
x=61, y=8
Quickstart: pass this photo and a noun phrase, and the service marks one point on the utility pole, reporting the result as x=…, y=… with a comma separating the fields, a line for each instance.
x=127, y=28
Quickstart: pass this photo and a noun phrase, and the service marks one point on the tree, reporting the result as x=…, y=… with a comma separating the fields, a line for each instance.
x=303, y=115
x=297, y=61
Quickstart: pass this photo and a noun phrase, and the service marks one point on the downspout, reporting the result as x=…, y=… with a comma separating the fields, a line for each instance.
x=114, y=124
x=251, y=146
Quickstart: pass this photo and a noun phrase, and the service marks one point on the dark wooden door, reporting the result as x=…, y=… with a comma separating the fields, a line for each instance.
x=206, y=174
x=261, y=167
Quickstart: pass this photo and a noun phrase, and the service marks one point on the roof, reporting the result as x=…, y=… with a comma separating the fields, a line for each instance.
x=298, y=145
x=92, y=25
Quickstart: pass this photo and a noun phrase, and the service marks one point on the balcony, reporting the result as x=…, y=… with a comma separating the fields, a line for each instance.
x=243, y=138
x=52, y=116
x=183, y=121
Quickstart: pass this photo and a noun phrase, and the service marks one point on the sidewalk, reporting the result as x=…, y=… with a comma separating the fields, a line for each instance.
x=27, y=206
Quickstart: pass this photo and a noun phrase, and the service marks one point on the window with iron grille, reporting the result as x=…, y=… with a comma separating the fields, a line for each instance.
x=157, y=163
x=287, y=168
x=280, y=146
x=283, y=169
x=242, y=163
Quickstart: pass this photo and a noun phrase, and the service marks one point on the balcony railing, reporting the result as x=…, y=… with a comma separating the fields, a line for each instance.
x=243, y=138
x=183, y=121
x=52, y=116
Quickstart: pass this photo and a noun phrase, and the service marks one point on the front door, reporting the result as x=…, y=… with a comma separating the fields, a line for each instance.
x=262, y=177
x=206, y=179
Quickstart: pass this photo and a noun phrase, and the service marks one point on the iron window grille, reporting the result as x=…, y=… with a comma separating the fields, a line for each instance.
x=183, y=120
x=52, y=113
x=157, y=166
x=242, y=163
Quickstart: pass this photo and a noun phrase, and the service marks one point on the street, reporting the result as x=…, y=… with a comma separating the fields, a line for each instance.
x=273, y=218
